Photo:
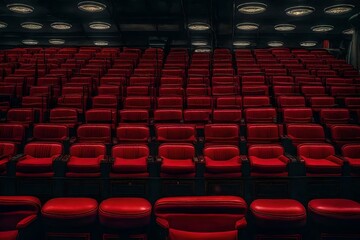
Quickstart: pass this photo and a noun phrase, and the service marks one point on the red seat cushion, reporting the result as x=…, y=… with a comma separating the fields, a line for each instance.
x=8, y=235
x=267, y=165
x=334, y=211
x=122, y=165
x=173, y=166
x=70, y=211
x=227, y=166
x=321, y=166
x=181, y=235
x=84, y=165
x=278, y=213
x=3, y=165
x=35, y=165
x=125, y=212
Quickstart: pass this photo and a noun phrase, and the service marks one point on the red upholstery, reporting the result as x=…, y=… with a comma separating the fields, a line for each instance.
x=170, y=102
x=317, y=103
x=351, y=154
x=85, y=160
x=260, y=115
x=290, y=101
x=297, y=115
x=138, y=103
x=222, y=161
x=133, y=133
x=24, y=116
x=94, y=133
x=345, y=134
x=7, y=150
x=168, y=115
x=125, y=213
x=201, y=217
x=38, y=159
x=202, y=102
x=226, y=116
x=177, y=160
x=267, y=160
x=129, y=161
x=66, y=116
x=305, y=133
x=281, y=214
x=334, y=116
x=233, y=102
x=262, y=133
x=221, y=134
x=319, y=159
x=105, y=101
x=175, y=133
x=256, y=101
x=50, y=132
x=70, y=212
x=335, y=212
x=134, y=115
x=16, y=213
x=12, y=132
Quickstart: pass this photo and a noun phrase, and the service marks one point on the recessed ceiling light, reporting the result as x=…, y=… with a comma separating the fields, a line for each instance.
x=339, y=9
x=20, y=8
x=30, y=42
x=349, y=31
x=101, y=43
x=322, y=28
x=91, y=6
x=99, y=25
x=61, y=25
x=241, y=43
x=308, y=44
x=3, y=25
x=252, y=8
x=56, y=41
x=199, y=43
x=199, y=26
x=202, y=50
x=247, y=26
x=284, y=27
x=32, y=25
x=275, y=44
x=299, y=11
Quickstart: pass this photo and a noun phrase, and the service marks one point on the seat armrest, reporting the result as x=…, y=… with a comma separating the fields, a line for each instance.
x=201, y=139
x=241, y=224
x=299, y=159
x=335, y=159
x=150, y=159
x=242, y=139
x=159, y=159
x=199, y=159
x=25, y=222
x=65, y=158
x=244, y=158
x=72, y=140
x=284, y=159
x=291, y=157
x=17, y=157
x=105, y=160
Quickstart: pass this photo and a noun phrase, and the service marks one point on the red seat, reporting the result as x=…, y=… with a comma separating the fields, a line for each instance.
x=168, y=115
x=267, y=160
x=138, y=91
x=17, y=213
x=38, y=159
x=281, y=215
x=260, y=115
x=226, y=116
x=170, y=102
x=262, y=133
x=132, y=133
x=101, y=116
x=202, y=102
x=351, y=154
x=319, y=159
x=225, y=80
x=66, y=116
x=256, y=101
x=345, y=134
x=7, y=151
x=177, y=160
x=297, y=115
x=50, y=133
x=129, y=161
x=85, y=160
x=305, y=133
x=138, y=103
x=284, y=90
x=175, y=133
x=23, y=116
x=290, y=102
x=222, y=161
x=225, y=90
x=317, y=103
x=72, y=101
x=330, y=116
x=105, y=101
x=94, y=133
x=134, y=116
x=233, y=102
x=255, y=90
x=12, y=132
x=352, y=103
x=227, y=134
x=311, y=91
x=253, y=80
x=201, y=217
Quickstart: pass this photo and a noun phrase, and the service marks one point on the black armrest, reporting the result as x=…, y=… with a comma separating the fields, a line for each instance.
x=150, y=159
x=17, y=157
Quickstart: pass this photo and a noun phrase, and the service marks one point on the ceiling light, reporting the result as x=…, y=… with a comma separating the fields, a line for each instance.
x=275, y=44
x=284, y=27
x=32, y=25
x=199, y=26
x=247, y=26
x=241, y=43
x=252, y=8
x=30, y=42
x=61, y=25
x=349, y=31
x=308, y=44
x=101, y=43
x=3, y=25
x=199, y=43
x=339, y=9
x=322, y=28
x=299, y=11
x=56, y=41
x=203, y=50
x=91, y=6
x=20, y=8
x=99, y=25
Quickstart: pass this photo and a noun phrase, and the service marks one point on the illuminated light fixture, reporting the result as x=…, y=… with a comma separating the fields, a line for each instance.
x=339, y=9
x=349, y=31
x=252, y=8
x=203, y=50
x=199, y=26
x=30, y=42
x=322, y=28
x=284, y=27
x=32, y=25
x=101, y=43
x=20, y=8
x=240, y=43
x=299, y=11
x=275, y=44
x=61, y=25
x=3, y=25
x=99, y=25
x=91, y=6
x=308, y=44
x=247, y=26
x=199, y=43
x=56, y=41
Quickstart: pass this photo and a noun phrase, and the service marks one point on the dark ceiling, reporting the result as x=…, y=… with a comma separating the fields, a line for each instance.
x=145, y=22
